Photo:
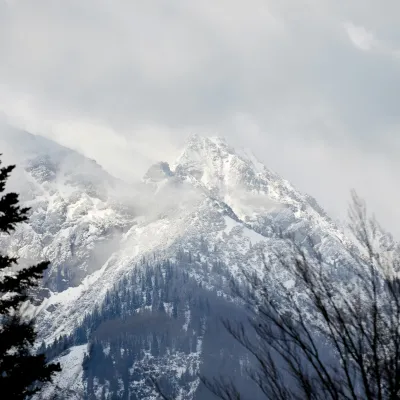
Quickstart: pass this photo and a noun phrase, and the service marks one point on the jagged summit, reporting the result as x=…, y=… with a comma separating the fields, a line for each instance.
x=208, y=146
x=76, y=211
x=237, y=178
x=213, y=162
x=51, y=163
x=209, y=153
x=238, y=181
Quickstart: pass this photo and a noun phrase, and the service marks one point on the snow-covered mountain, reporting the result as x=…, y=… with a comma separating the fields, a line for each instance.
x=141, y=272
x=76, y=220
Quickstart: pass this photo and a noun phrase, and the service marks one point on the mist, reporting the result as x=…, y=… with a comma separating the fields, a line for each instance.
x=311, y=87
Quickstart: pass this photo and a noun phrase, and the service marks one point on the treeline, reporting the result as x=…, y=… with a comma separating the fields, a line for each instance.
x=158, y=309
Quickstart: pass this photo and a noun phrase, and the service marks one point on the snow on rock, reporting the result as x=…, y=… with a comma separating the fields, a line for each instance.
x=76, y=221
x=69, y=384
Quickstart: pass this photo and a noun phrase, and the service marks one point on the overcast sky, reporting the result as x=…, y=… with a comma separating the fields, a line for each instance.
x=312, y=86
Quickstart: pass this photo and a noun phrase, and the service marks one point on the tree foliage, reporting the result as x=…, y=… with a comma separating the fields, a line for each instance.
x=22, y=371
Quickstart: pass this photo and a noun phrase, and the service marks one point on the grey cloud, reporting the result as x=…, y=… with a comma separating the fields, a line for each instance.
x=126, y=81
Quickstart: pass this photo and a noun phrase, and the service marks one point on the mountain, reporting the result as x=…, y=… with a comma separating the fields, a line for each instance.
x=141, y=274
x=76, y=220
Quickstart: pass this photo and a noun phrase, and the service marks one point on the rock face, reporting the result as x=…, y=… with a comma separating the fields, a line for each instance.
x=76, y=221
x=140, y=275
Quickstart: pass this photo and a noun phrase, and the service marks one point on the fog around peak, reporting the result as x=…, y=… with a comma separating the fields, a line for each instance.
x=311, y=87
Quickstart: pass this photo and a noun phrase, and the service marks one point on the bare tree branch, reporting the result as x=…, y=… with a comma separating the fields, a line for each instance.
x=337, y=335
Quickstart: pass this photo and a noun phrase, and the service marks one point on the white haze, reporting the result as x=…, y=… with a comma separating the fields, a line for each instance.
x=312, y=87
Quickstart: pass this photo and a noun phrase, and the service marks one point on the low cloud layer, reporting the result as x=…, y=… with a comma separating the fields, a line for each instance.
x=313, y=87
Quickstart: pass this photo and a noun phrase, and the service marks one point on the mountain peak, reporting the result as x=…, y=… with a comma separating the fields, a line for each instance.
x=237, y=178
x=204, y=147
x=203, y=151
x=213, y=162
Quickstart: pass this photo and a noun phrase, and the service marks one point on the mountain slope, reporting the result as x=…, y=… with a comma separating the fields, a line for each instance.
x=76, y=219
x=166, y=247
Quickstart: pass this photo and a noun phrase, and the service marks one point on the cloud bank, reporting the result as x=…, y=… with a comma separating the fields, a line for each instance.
x=312, y=86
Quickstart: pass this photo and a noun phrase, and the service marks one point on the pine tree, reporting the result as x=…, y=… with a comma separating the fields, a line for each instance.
x=22, y=371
